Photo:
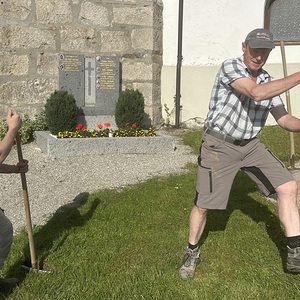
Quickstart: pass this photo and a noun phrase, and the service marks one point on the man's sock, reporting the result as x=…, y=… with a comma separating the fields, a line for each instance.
x=192, y=247
x=293, y=241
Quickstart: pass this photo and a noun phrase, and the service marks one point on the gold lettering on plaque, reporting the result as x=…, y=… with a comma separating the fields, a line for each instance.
x=70, y=63
x=106, y=74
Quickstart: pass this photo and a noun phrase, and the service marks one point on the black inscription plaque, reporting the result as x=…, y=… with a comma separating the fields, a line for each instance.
x=71, y=76
x=108, y=83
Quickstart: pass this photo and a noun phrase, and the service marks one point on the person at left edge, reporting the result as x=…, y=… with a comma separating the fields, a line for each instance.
x=14, y=123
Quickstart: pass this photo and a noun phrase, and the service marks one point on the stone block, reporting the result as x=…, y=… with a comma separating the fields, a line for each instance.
x=142, y=38
x=15, y=9
x=27, y=38
x=77, y=147
x=137, y=71
x=53, y=11
x=93, y=14
x=47, y=64
x=13, y=64
x=78, y=39
x=114, y=41
x=142, y=16
x=30, y=92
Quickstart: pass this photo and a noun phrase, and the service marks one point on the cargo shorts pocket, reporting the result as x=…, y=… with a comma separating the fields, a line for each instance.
x=205, y=180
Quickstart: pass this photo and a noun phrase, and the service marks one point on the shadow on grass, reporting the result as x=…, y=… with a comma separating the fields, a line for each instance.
x=51, y=236
x=241, y=199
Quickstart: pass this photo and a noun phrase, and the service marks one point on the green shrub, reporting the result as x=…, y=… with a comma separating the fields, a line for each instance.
x=29, y=126
x=130, y=108
x=61, y=112
x=38, y=123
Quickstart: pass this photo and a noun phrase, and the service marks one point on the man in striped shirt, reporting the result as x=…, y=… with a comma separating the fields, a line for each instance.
x=242, y=97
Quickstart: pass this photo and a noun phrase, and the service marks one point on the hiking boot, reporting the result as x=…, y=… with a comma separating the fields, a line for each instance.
x=190, y=261
x=8, y=284
x=293, y=260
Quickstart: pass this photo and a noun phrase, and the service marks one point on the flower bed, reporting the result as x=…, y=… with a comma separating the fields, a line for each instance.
x=105, y=131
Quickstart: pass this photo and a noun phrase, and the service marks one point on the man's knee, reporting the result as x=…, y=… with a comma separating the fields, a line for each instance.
x=288, y=188
x=200, y=210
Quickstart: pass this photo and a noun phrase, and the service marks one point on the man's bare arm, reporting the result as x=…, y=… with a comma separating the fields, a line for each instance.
x=285, y=120
x=14, y=123
x=259, y=92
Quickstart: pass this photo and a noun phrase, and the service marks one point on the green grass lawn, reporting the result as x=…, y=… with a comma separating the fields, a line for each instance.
x=129, y=244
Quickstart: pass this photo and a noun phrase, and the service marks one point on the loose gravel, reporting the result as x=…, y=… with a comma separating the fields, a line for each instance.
x=55, y=182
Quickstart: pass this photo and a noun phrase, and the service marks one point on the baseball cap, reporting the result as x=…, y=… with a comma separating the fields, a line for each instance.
x=260, y=38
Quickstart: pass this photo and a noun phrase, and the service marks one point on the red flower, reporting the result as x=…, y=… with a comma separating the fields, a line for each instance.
x=127, y=124
x=84, y=128
x=99, y=126
x=79, y=127
x=107, y=124
x=134, y=125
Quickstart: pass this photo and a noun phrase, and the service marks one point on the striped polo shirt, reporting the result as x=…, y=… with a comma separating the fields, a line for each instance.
x=233, y=113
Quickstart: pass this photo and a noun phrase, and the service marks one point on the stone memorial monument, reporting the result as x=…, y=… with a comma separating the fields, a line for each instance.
x=94, y=81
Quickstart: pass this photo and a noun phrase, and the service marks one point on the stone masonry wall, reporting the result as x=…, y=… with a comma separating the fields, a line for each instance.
x=34, y=32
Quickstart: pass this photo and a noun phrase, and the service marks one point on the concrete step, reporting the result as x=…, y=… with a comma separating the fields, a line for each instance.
x=58, y=147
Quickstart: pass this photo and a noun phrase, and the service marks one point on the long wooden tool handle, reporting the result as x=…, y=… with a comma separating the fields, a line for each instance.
x=34, y=262
x=289, y=107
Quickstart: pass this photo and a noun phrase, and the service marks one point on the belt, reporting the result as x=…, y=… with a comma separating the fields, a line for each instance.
x=226, y=138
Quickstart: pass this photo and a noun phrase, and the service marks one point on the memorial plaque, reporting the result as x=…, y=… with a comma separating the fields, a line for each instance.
x=93, y=80
x=108, y=83
x=71, y=76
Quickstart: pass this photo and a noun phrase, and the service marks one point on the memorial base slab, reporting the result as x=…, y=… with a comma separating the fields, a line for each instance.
x=76, y=147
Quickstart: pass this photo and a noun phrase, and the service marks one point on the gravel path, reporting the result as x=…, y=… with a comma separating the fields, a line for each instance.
x=54, y=182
